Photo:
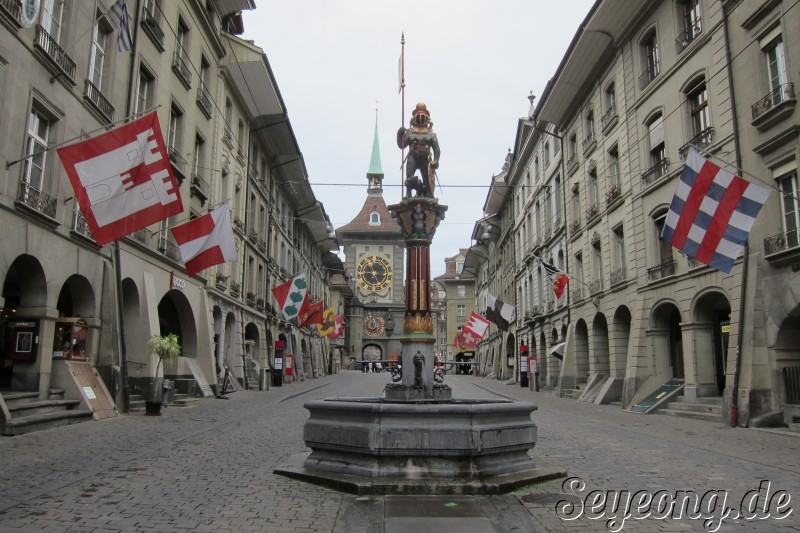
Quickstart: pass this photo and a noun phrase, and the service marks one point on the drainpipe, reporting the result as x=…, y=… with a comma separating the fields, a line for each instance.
x=734, y=415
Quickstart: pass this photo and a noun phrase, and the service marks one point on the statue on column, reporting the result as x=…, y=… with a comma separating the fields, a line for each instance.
x=421, y=141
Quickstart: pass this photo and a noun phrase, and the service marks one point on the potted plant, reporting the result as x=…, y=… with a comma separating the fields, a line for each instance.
x=165, y=349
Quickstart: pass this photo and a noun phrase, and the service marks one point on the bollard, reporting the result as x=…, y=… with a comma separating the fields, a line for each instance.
x=263, y=382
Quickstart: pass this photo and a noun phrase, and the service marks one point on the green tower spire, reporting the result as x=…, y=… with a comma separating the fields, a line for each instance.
x=375, y=172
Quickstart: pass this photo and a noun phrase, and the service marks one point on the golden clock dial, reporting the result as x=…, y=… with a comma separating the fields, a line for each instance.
x=374, y=273
x=373, y=325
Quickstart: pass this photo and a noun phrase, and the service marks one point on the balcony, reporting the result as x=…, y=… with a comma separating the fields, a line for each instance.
x=262, y=245
x=59, y=58
x=665, y=269
x=238, y=225
x=80, y=226
x=577, y=292
x=236, y=289
x=204, y=100
x=612, y=194
x=180, y=68
x=591, y=212
x=700, y=141
x=199, y=188
x=595, y=286
x=221, y=282
x=589, y=143
x=687, y=37
x=776, y=106
x=253, y=236
x=93, y=95
x=550, y=306
x=608, y=120
x=178, y=163
x=167, y=248
x=250, y=299
x=656, y=172
x=260, y=304
x=153, y=30
x=648, y=75
x=575, y=227
x=142, y=235
x=39, y=201
x=617, y=276
x=782, y=241
x=227, y=137
x=10, y=9
x=572, y=164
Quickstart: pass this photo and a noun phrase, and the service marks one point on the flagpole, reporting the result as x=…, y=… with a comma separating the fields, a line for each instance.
x=402, y=105
x=10, y=164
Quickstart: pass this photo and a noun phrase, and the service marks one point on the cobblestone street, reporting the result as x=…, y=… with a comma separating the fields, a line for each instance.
x=209, y=468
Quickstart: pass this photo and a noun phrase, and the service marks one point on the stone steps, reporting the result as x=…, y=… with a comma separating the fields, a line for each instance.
x=704, y=408
x=28, y=413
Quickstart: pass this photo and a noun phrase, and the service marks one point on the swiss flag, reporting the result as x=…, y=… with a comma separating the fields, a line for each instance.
x=123, y=179
x=207, y=240
x=338, y=327
x=466, y=339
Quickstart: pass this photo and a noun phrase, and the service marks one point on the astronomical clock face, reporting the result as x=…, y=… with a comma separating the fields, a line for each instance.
x=374, y=273
x=373, y=325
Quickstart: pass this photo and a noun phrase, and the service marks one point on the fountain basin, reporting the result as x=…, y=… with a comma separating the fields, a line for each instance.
x=376, y=446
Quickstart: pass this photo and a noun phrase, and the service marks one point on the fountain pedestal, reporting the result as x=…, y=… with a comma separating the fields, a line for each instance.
x=417, y=439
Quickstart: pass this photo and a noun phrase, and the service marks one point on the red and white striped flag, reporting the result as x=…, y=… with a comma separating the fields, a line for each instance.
x=477, y=325
x=207, y=240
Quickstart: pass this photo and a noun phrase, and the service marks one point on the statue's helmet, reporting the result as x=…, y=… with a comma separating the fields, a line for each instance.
x=420, y=116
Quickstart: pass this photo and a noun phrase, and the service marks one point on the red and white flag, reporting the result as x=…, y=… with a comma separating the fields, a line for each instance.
x=465, y=339
x=123, y=179
x=338, y=327
x=207, y=240
x=477, y=325
x=311, y=314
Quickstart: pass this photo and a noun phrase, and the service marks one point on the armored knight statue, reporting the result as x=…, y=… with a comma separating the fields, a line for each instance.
x=421, y=141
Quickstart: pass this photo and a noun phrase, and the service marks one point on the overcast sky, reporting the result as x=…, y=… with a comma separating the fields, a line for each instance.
x=473, y=62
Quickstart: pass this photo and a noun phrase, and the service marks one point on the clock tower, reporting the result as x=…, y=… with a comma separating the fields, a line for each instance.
x=373, y=246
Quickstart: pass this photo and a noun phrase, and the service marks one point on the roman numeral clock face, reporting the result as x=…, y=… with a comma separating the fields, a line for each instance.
x=374, y=273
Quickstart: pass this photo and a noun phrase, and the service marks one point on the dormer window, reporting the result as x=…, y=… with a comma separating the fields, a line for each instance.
x=374, y=219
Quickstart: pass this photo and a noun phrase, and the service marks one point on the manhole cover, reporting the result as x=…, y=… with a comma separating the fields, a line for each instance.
x=549, y=498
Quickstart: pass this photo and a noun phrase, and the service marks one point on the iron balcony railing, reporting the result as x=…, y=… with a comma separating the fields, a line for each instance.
x=699, y=141
x=609, y=118
x=782, y=94
x=588, y=143
x=169, y=249
x=665, y=269
x=617, y=276
x=153, y=30
x=204, y=100
x=592, y=211
x=178, y=161
x=782, y=241
x=36, y=199
x=180, y=68
x=93, y=94
x=142, y=235
x=57, y=54
x=236, y=289
x=199, y=187
x=687, y=37
x=648, y=75
x=577, y=292
x=612, y=194
x=79, y=224
x=221, y=282
x=595, y=286
x=657, y=171
x=13, y=8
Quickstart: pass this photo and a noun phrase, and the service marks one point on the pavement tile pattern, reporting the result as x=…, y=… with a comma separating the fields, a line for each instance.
x=209, y=468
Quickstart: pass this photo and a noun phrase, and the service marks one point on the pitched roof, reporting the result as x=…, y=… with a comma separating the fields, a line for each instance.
x=361, y=224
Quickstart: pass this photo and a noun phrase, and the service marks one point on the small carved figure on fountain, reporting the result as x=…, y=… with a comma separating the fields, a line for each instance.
x=419, y=362
x=421, y=141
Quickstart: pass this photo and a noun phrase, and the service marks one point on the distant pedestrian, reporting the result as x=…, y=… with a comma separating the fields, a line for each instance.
x=378, y=367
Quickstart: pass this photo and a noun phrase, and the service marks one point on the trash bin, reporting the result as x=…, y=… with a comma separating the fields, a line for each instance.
x=263, y=382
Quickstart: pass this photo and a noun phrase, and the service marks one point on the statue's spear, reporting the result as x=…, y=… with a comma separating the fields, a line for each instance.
x=402, y=74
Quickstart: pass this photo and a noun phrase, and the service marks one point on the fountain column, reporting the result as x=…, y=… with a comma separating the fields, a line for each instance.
x=418, y=218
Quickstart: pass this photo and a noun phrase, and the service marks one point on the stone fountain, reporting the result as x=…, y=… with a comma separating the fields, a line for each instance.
x=417, y=438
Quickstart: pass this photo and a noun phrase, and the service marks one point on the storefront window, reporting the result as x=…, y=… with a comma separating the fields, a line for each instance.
x=69, y=342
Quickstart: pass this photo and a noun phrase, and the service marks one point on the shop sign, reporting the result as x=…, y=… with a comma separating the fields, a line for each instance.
x=176, y=282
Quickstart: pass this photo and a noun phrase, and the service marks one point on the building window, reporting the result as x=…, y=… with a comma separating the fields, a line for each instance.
x=576, y=208
x=588, y=127
x=790, y=205
x=461, y=291
x=461, y=310
x=557, y=199
x=536, y=167
x=650, y=59
x=97, y=55
x=776, y=63
x=698, y=108
x=594, y=194
x=52, y=13
x=664, y=248
x=655, y=130
x=459, y=266
x=175, y=126
x=35, y=149
x=546, y=158
x=181, y=39
x=619, y=258
x=597, y=256
x=144, y=90
x=610, y=98
x=199, y=155
x=374, y=219
x=613, y=168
